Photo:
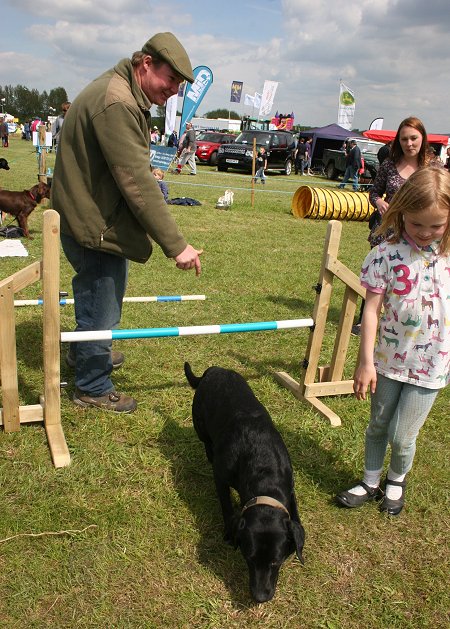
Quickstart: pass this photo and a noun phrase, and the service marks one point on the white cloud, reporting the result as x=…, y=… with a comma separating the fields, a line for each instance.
x=392, y=53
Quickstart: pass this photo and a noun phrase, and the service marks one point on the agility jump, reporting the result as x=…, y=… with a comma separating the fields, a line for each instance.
x=48, y=410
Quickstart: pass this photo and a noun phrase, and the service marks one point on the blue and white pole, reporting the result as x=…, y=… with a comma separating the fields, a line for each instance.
x=144, y=333
x=65, y=302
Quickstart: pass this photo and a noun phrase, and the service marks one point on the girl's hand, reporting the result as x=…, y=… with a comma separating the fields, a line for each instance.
x=365, y=377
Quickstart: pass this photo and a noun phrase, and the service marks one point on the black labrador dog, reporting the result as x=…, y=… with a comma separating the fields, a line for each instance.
x=4, y=164
x=248, y=453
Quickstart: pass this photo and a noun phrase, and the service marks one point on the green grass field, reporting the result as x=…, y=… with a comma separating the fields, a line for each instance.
x=130, y=535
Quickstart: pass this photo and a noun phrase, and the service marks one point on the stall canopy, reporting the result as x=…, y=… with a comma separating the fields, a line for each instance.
x=384, y=135
x=331, y=136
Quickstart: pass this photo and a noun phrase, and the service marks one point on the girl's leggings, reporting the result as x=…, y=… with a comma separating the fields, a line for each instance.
x=398, y=412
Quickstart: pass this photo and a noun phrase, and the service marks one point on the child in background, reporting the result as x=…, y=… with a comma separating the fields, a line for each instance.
x=159, y=176
x=261, y=165
x=408, y=275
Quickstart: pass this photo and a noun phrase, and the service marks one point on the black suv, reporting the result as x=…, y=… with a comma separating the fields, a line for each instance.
x=279, y=146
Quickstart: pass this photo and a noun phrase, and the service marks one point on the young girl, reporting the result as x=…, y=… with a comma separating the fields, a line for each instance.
x=408, y=276
x=261, y=165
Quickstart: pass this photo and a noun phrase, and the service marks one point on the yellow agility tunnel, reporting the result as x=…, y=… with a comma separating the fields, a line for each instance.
x=327, y=204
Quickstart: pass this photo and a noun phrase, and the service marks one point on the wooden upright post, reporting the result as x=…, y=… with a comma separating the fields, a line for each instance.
x=8, y=358
x=49, y=408
x=253, y=172
x=330, y=376
x=52, y=335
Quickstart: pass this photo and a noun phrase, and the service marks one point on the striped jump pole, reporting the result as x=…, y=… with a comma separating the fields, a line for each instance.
x=66, y=302
x=145, y=333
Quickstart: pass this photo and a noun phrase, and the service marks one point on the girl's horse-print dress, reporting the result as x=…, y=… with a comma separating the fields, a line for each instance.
x=414, y=329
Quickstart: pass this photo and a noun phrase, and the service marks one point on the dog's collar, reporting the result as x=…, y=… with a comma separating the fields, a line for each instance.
x=31, y=195
x=264, y=500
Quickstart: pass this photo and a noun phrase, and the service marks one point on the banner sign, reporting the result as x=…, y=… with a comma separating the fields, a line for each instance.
x=236, y=91
x=171, y=114
x=268, y=95
x=194, y=94
x=376, y=125
x=249, y=100
x=253, y=101
x=161, y=156
x=346, y=109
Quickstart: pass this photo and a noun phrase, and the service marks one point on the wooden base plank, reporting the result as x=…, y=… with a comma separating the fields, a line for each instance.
x=58, y=446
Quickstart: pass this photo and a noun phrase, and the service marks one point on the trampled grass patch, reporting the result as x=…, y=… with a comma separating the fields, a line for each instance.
x=138, y=528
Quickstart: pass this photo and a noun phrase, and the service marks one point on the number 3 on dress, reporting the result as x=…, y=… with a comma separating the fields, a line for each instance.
x=402, y=273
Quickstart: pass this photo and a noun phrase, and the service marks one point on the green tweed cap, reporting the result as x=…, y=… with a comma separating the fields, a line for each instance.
x=167, y=46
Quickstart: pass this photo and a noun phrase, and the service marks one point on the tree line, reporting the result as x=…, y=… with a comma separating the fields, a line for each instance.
x=25, y=104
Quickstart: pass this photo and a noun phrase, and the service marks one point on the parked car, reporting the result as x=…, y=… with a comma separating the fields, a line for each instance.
x=279, y=145
x=208, y=143
x=334, y=160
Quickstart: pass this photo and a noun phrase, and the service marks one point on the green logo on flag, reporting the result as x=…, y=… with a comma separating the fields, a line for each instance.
x=347, y=99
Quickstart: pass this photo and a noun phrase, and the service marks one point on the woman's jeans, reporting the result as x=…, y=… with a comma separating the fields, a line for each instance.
x=98, y=288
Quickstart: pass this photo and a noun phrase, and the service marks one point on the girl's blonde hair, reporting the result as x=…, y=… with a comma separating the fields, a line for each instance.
x=159, y=172
x=426, y=188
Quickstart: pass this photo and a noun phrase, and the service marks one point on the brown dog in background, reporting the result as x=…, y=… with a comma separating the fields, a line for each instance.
x=21, y=204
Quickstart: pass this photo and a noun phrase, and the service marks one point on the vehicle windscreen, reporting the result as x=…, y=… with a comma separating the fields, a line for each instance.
x=209, y=137
x=246, y=137
x=367, y=146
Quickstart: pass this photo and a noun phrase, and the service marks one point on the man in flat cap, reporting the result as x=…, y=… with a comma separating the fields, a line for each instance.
x=110, y=204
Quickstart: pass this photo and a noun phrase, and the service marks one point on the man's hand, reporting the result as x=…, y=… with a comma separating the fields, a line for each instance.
x=189, y=259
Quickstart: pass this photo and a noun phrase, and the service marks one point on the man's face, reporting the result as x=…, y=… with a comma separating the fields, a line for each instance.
x=159, y=81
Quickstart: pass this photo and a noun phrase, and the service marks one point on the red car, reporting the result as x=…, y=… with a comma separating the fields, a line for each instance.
x=208, y=143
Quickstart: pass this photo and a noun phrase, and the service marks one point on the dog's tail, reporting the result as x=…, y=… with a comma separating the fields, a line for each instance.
x=194, y=381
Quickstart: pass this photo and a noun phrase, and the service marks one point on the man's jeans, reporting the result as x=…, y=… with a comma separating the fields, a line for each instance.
x=98, y=288
x=300, y=165
x=351, y=172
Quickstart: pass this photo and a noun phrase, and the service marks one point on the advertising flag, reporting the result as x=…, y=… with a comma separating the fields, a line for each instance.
x=376, y=125
x=268, y=95
x=236, y=91
x=257, y=100
x=249, y=100
x=171, y=114
x=194, y=94
x=346, y=109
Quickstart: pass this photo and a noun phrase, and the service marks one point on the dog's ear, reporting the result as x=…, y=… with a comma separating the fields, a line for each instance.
x=298, y=535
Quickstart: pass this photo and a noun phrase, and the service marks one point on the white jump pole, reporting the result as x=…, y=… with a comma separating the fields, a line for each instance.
x=228, y=328
x=66, y=302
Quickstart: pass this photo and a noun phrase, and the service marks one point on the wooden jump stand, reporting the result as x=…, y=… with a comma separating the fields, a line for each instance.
x=329, y=377
x=48, y=410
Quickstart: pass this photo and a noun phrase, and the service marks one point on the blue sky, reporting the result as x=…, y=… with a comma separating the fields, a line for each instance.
x=393, y=54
